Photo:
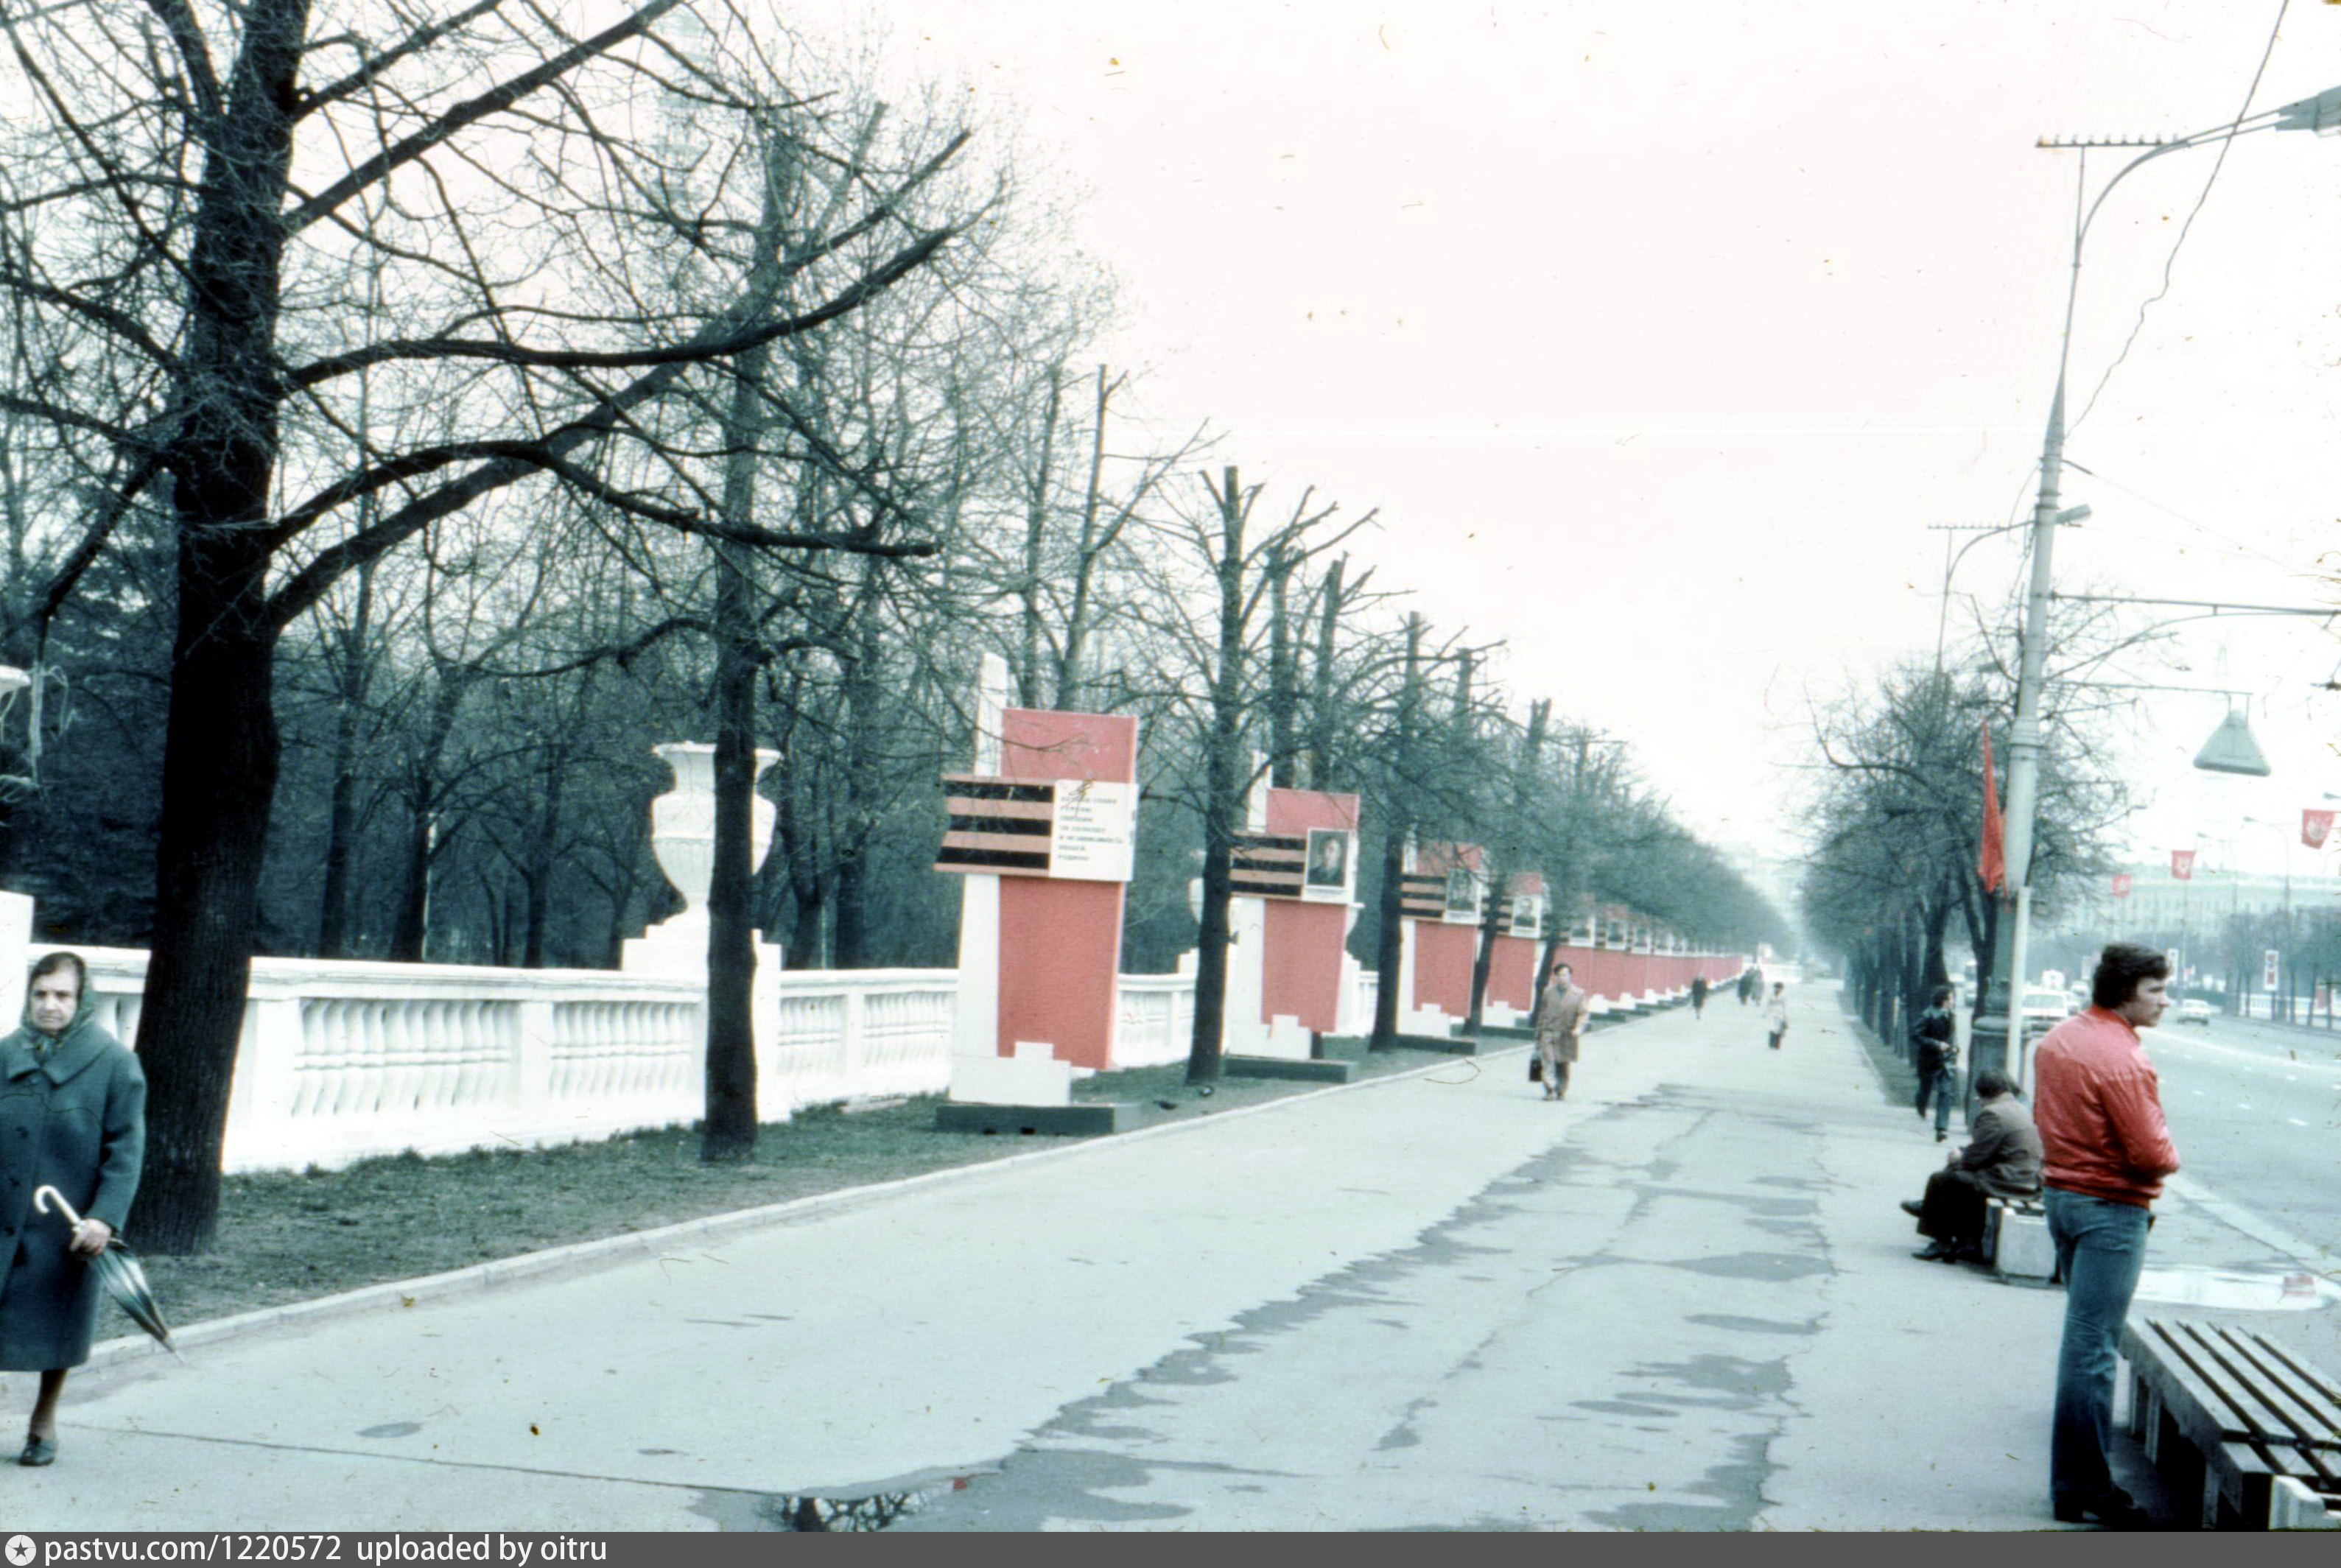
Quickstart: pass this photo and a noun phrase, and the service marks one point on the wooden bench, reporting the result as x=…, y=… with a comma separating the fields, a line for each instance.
x=2261, y=1426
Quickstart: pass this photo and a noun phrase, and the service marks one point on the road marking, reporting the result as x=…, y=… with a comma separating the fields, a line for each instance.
x=2295, y=1121
x=2266, y=1232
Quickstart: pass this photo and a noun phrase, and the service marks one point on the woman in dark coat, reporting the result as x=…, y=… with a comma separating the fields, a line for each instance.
x=72, y=1115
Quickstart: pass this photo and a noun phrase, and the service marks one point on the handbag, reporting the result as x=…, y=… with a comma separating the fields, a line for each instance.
x=1536, y=1068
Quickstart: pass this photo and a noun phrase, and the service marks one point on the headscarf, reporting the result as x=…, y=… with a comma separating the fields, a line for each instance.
x=42, y=1044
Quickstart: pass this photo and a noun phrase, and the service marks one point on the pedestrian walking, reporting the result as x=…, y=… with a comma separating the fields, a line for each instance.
x=1935, y=1033
x=2001, y=1159
x=1559, y=1026
x=73, y=1116
x=1776, y=1013
x=1698, y=995
x=2104, y=1150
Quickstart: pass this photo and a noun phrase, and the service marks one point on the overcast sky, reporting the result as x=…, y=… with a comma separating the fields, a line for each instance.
x=1662, y=333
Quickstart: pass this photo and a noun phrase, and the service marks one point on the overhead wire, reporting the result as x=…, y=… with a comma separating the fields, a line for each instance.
x=2170, y=262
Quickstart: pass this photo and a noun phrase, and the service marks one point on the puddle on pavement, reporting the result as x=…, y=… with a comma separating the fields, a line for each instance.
x=2242, y=1290
x=840, y=1515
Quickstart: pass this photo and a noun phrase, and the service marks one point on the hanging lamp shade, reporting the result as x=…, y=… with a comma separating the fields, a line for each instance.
x=2232, y=748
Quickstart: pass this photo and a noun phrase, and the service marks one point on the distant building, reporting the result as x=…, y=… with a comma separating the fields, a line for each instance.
x=2157, y=901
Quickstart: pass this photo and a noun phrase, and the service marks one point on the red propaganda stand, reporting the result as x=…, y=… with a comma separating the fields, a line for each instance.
x=1447, y=947
x=1305, y=929
x=1061, y=935
x=1054, y=825
x=1511, y=968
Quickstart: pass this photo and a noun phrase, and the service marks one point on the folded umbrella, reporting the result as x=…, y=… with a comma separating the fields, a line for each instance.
x=119, y=1272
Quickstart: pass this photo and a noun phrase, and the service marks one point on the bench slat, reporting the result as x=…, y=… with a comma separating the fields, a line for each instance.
x=2209, y=1414
x=2315, y=1419
x=2231, y=1401
x=2243, y=1361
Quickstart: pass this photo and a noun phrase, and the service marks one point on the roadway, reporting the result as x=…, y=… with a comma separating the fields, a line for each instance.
x=2255, y=1110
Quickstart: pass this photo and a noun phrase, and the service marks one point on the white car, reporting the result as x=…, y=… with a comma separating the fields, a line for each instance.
x=2043, y=1010
x=2193, y=1010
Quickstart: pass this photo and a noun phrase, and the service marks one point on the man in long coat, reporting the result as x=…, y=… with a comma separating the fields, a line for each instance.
x=72, y=1115
x=1560, y=1025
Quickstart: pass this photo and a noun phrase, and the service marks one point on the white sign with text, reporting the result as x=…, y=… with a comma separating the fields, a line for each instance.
x=1095, y=833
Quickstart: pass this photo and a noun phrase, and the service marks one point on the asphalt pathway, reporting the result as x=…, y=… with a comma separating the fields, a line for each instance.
x=1683, y=1299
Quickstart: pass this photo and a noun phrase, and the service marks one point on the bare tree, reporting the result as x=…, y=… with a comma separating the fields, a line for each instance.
x=197, y=174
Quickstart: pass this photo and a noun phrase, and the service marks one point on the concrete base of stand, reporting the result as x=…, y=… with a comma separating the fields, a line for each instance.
x=1310, y=1071
x=1342, y=1048
x=1506, y=1032
x=1467, y=1045
x=1076, y=1120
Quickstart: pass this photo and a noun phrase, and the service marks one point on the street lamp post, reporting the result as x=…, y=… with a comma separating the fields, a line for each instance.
x=2321, y=113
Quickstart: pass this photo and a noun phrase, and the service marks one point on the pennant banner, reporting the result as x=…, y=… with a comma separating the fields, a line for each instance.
x=2182, y=865
x=2121, y=884
x=1991, y=861
x=2314, y=826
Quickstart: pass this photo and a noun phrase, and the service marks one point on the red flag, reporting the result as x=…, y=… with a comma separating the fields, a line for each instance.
x=2314, y=826
x=1991, y=865
x=2121, y=884
x=2182, y=865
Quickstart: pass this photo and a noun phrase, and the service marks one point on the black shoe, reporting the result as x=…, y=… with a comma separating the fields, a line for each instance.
x=1940, y=1135
x=2117, y=1510
x=1937, y=1253
x=1913, y=1208
x=38, y=1451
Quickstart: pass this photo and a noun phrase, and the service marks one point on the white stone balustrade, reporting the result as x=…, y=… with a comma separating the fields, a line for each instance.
x=341, y=1061
x=1157, y=1025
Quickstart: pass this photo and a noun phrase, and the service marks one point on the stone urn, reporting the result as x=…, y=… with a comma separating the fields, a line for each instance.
x=683, y=825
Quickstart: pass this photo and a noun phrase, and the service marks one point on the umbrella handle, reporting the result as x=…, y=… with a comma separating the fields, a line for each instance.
x=44, y=1196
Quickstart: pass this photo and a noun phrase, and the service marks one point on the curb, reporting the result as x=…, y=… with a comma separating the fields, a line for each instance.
x=578, y=1256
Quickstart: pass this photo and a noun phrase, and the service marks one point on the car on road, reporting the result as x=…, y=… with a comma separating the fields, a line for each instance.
x=2043, y=1010
x=2192, y=1011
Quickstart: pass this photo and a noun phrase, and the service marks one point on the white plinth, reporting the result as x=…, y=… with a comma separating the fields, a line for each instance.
x=1432, y=1020
x=1283, y=1038
x=1032, y=1077
x=1504, y=1015
x=1246, y=1031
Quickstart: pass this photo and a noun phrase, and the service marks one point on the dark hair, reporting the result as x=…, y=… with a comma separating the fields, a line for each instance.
x=2119, y=969
x=1991, y=1084
x=49, y=964
x=1943, y=994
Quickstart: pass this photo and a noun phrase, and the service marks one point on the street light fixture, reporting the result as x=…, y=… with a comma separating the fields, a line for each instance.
x=2322, y=115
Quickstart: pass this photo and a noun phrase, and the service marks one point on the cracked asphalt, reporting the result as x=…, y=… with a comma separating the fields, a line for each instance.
x=1681, y=1300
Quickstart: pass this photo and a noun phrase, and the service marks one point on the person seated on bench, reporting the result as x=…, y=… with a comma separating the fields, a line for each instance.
x=2002, y=1160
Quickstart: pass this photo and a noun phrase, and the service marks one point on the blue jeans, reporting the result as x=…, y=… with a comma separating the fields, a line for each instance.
x=1936, y=1083
x=2100, y=1248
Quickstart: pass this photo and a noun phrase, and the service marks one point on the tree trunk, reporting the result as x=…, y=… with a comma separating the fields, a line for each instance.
x=341, y=819
x=1283, y=678
x=728, y=1130
x=1036, y=538
x=1224, y=785
x=1389, y=937
x=1321, y=733
x=221, y=746
x=1086, y=551
x=544, y=836
x=1483, y=962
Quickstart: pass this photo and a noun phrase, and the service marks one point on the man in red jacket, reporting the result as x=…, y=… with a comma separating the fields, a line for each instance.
x=2104, y=1150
